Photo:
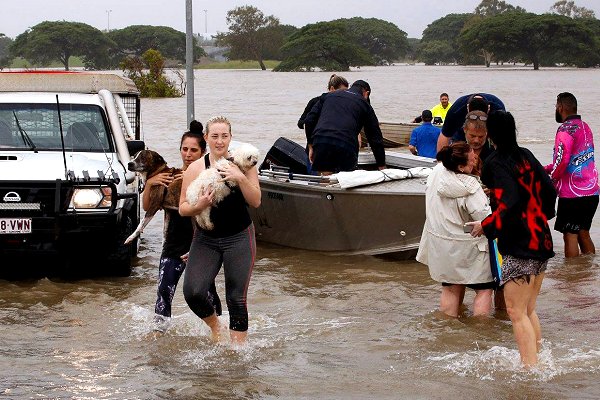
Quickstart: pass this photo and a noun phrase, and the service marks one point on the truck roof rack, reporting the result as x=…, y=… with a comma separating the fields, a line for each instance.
x=65, y=81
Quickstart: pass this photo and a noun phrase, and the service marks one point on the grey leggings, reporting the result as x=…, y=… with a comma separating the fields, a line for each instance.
x=236, y=253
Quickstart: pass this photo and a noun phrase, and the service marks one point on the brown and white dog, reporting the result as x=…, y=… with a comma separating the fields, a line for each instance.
x=149, y=163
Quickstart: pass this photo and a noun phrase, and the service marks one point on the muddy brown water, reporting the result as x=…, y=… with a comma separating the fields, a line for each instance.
x=344, y=327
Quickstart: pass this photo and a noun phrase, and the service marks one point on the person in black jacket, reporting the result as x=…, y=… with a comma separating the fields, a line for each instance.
x=335, y=82
x=522, y=198
x=333, y=125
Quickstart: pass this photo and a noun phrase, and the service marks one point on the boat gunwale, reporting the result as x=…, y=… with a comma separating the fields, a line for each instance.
x=371, y=189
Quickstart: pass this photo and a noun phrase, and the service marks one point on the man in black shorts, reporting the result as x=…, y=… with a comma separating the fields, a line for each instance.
x=574, y=174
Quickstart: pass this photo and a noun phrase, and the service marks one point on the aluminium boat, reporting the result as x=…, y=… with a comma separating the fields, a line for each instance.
x=361, y=212
x=395, y=134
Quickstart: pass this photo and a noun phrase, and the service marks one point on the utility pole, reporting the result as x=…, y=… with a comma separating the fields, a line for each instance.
x=206, y=23
x=189, y=61
x=108, y=20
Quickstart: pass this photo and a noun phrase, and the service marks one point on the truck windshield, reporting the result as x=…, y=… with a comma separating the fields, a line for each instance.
x=36, y=126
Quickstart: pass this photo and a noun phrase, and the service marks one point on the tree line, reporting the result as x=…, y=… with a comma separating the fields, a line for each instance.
x=499, y=32
x=52, y=41
x=495, y=31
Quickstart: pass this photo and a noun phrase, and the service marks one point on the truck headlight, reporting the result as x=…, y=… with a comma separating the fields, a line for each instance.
x=91, y=198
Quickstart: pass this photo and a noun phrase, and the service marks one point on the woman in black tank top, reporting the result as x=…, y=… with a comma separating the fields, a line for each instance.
x=231, y=243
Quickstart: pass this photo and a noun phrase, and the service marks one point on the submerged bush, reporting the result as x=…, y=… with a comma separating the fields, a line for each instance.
x=147, y=72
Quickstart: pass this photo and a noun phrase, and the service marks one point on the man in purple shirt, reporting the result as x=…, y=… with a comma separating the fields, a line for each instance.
x=575, y=177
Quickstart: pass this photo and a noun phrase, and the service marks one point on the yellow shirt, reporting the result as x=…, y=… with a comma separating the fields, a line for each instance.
x=439, y=111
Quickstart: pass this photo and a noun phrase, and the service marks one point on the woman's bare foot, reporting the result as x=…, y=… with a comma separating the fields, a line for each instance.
x=238, y=339
x=215, y=328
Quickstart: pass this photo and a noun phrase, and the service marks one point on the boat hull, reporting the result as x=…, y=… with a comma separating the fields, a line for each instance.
x=386, y=218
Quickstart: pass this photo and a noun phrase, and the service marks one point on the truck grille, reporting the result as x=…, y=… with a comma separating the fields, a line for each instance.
x=21, y=206
x=39, y=198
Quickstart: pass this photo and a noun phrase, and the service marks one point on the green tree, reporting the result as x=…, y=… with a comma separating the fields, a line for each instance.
x=471, y=46
x=338, y=45
x=137, y=39
x=532, y=38
x=413, y=47
x=324, y=45
x=147, y=72
x=489, y=8
x=569, y=9
x=579, y=45
x=59, y=40
x=485, y=9
x=436, y=51
x=251, y=35
x=444, y=33
x=593, y=25
x=383, y=40
x=285, y=32
x=5, y=57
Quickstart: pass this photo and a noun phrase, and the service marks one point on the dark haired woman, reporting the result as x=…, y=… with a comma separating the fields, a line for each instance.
x=522, y=198
x=456, y=259
x=178, y=231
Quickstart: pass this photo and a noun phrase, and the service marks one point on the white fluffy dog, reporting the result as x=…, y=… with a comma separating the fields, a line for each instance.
x=244, y=156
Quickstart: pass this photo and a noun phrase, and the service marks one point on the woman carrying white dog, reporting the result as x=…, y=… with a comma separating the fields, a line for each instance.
x=230, y=243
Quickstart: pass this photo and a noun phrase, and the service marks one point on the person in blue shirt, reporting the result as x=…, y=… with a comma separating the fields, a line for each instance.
x=424, y=138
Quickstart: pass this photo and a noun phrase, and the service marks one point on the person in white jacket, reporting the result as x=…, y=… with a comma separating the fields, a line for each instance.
x=455, y=258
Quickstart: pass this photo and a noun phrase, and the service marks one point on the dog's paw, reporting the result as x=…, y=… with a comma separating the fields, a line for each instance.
x=207, y=224
x=200, y=222
x=204, y=220
x=131, y=238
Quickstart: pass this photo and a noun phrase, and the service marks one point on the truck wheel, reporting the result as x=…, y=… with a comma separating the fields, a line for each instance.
x=120, y=261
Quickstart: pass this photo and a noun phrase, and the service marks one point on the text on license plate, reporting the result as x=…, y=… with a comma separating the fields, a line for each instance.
x=15, y=225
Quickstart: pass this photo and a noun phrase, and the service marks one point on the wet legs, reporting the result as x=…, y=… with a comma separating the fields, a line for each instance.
x=576, y=242
x=521, y=297
x=451, y=299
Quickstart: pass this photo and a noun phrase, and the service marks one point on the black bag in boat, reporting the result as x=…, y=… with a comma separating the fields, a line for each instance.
x=288, y=154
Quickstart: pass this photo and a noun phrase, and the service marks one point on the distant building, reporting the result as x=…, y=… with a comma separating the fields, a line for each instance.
x=216, y=53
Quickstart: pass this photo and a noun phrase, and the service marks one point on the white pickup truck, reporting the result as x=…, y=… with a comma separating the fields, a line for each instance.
x=66, y=195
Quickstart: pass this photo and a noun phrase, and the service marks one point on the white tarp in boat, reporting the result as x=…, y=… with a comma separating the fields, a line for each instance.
x=361, y=177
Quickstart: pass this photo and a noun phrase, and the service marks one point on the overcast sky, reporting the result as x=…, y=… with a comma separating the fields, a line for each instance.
x=412, y=16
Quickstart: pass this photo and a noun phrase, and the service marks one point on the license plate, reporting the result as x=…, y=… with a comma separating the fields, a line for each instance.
x=15, y=225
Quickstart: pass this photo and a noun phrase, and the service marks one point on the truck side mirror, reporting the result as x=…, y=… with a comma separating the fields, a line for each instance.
x=134, y=146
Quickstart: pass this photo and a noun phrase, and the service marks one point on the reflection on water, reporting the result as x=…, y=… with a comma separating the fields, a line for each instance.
x=320, y=326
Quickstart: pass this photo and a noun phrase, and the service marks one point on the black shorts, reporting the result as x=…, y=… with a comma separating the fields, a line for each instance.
x=575, y=214
x=475, y=286
x=330, y=158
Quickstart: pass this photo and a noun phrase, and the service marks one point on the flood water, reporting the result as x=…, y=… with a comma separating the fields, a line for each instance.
x=321, y=327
